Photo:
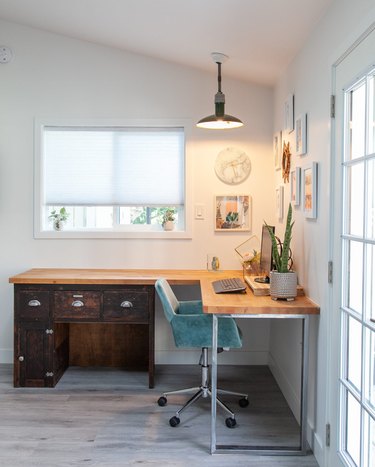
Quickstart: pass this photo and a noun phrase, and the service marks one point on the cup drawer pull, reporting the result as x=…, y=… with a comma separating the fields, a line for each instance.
x=34, y=303
x=126, y=304
x=78, y=303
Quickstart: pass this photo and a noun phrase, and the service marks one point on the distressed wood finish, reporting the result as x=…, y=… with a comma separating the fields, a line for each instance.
x=112, y=326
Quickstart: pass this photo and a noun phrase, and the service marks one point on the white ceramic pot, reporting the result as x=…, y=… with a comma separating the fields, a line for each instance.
x=58, y=225
x=169, y=225
x=283, y=285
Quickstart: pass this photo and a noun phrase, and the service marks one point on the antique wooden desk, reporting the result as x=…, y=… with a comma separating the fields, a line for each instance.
x=87, y=317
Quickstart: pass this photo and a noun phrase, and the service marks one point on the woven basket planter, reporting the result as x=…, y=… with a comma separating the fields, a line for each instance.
x=283, y=285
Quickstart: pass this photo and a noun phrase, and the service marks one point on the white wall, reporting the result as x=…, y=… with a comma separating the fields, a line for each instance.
x=309, y=78
x=54, y=76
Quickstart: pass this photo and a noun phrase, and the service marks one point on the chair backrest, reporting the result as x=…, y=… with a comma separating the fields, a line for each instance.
x=167, y=297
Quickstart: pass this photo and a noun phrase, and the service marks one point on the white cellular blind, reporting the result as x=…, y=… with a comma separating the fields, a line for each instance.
x=93, y=166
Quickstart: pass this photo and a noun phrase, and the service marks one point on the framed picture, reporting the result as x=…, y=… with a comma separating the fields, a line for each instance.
x=301, y=124
x=277, y=149
x=295, y=186
x=280, y=202
x=232, y=213
x=309, y=184
x=289, y=114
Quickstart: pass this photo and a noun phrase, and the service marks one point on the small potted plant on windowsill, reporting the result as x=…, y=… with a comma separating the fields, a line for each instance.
x=168, y=219
x=283, y=281
x=58, y=218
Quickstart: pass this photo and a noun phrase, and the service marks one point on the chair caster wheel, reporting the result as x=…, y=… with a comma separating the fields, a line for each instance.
x=243, y=402
x=230, y=422
x=162, y=401
x=174, y=421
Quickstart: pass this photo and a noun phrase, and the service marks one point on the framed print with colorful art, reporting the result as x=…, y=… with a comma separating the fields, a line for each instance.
x=295, y=186
x=309, y=185
x=232, y=213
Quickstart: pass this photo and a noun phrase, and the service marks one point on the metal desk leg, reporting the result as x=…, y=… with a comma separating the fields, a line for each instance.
x=214, y=382
x=304, y=376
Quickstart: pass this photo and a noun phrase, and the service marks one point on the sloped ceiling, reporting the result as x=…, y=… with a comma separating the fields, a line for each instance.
x=260, y=36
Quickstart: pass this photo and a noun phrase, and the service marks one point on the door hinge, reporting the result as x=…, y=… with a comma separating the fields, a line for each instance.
x=333, y=106
x=328, y=434
x=330, y=272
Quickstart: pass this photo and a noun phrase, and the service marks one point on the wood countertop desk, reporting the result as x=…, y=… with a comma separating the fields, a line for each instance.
x=108, y=285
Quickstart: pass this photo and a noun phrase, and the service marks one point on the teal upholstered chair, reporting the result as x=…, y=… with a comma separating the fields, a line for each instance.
x=192, y=328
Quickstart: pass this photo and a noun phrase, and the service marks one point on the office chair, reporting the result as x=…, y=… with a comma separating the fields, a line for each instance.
x=192, y=328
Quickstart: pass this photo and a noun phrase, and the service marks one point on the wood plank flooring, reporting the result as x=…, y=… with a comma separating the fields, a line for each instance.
x=109, y=418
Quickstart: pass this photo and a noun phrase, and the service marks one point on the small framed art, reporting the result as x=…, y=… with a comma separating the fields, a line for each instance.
x=280, y=202
x=309, y=192
x=277, y=149
x=295, y=186
x=289, y=114
x=232, y=213
x=301, y=136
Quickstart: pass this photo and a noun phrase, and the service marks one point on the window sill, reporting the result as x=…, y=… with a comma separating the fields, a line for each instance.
x=88, y=234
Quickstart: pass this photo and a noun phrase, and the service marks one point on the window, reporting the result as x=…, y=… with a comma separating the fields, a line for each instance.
x=112, y=181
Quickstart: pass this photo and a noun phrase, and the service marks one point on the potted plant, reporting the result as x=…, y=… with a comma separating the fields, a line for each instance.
x=283, y=281
x=168, y=219
x=58, y=218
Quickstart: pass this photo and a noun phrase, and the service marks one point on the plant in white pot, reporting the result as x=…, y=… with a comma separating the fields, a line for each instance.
x=168, y=219
x=283, y=281
x=58, y=218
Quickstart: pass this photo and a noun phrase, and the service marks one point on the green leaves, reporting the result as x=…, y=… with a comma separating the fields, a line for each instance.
x=281, y=258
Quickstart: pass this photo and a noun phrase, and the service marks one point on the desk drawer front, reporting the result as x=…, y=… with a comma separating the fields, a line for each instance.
x=126, y=306
x=80, y=305
x=32, y=305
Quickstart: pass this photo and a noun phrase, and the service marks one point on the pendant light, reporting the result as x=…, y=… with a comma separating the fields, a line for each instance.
x=220, y=120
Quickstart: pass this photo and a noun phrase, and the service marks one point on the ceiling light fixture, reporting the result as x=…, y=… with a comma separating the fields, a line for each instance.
x=220, y=120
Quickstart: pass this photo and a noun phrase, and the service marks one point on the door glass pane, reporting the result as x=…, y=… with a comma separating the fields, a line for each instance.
x=370, y=282
x=355, y=276
x=357, y=122
x=371, y=123
x=370, y=219
x=354, y=352
x=370, y=367
x=356, y=197
x=353, y=428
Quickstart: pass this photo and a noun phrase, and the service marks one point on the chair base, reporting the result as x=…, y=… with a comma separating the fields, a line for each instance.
x=204, y=391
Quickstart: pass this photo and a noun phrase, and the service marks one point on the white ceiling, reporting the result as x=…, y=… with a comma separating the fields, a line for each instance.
x=260, y=36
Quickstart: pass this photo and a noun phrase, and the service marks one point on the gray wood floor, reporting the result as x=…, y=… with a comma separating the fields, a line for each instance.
x=109, y=418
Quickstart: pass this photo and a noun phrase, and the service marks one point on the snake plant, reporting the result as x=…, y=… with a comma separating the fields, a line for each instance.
x=281, y=256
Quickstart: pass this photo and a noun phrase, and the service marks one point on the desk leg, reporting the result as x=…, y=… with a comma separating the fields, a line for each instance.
x=214, y=382
x=304, y=376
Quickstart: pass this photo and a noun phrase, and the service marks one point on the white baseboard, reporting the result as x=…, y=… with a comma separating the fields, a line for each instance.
x=191, y=357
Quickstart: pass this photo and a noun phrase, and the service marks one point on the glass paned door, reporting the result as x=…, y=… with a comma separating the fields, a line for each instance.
x=357, y=370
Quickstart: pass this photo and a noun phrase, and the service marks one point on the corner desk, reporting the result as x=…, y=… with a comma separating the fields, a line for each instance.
x=105, y=317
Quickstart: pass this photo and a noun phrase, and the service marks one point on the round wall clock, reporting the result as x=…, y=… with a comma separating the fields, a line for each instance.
x=232, y=166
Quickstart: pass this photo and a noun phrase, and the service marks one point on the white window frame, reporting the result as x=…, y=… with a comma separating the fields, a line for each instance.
x=130, y=231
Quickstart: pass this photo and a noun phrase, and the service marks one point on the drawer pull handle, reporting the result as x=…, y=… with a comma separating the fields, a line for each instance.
x=126, y=304
x=78, y=303
x=34, y=303
x=21, y=358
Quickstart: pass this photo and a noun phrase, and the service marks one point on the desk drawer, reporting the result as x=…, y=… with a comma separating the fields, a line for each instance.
x=32, y=305
x=125, y=306
x=79, y=305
